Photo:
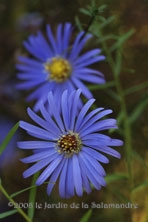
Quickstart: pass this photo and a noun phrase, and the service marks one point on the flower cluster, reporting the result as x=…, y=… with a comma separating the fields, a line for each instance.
x=69, y=145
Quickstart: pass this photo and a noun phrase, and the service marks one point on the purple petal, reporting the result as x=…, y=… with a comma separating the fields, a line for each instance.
x=39, y=156
x=55, y=176
x=36, y=167
x=48, y=171
x=77, y=175
x=62, y=181
x=82, y=113
x=65, y=111
x=42, y=134
x=100, y=125
x=35, y=144
x=93, y=153
x=70, y=179
x=87, y=56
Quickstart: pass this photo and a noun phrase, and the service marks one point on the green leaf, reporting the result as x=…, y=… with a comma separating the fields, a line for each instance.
x=78, y=23
x=92, y=5
x=120, y=119
x=8, y=137
x=118, y=62
x=32, y=196
x=105, y=38
x=102, y=8
x=86, y=216
x=22, y=191
x=101, y=38
x=102, y=86
x=113, y=95
x=120, y=195
x=138, y=110
x=105, y=22
x=115, y=177
x=85, y=11
x=122, y=39
x=7, y=213
x=95, y=11
x=129, y=70
x=142, y=185
x=139, y=158
x=136, y=88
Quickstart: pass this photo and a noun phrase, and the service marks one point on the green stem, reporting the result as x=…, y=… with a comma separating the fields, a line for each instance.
x=120, y=92
x=32, y=196
x=127, y=128
x=91, y=21
x=20, y=211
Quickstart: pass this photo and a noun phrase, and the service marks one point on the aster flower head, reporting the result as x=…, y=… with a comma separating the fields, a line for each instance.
x=70, y=145
x=56, y=65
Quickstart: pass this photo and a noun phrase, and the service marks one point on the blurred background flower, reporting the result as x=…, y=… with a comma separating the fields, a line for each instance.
x=29, y=22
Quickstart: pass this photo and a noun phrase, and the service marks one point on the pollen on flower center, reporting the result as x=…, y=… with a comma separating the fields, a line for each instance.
x=59, y=69
x=69, y=143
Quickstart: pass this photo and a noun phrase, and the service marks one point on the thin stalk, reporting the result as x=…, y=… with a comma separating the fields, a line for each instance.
x=20, y=211
x=91, y=21
x=120, y=92
x=32, y=196
x=127, y=128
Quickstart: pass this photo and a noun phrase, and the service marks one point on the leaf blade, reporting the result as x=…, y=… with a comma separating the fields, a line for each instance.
x=8, y=137
x=86, y=216
x=7, y=213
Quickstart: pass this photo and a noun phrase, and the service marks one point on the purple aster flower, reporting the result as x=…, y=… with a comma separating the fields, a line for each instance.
x=69, y=145
x=56, y=65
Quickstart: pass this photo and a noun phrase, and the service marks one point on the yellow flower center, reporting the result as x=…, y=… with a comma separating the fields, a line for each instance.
x=59, y=69
x=69, y=144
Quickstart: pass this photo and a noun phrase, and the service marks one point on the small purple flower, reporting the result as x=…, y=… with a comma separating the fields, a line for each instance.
x=57, y=65
x=69, y=145
x=32, y=21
